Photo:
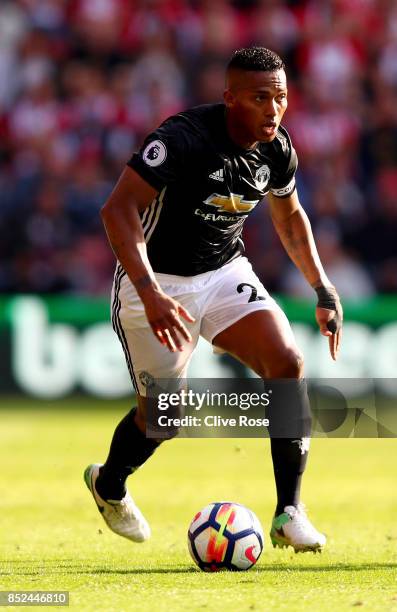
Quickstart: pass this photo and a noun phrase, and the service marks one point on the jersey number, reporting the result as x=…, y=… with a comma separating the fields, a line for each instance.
x=254, y=297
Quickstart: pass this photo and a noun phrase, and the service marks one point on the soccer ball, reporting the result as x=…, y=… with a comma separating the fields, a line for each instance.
x=225, y=535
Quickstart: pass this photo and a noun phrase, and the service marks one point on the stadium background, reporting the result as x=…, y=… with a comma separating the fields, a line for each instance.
x=83, y=81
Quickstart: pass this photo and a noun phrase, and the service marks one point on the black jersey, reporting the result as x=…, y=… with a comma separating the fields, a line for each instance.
x=207, y=187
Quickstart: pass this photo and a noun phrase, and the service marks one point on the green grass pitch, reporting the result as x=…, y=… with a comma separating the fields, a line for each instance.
x=52, y=537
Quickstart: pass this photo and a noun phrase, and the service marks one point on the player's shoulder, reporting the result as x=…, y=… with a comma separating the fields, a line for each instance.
x=204, y=114
x=194, y=121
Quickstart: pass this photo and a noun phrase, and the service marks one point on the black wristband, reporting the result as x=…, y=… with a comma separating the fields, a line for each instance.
x=328, y=298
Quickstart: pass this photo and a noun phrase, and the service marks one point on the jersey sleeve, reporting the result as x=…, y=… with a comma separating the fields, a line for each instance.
x=163, y=154
x=283, y=179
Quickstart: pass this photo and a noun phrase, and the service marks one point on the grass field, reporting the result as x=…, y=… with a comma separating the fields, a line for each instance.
x=52, y=537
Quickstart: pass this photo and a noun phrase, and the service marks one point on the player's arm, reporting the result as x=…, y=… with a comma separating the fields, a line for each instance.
x=120, y=216
x=294, y=229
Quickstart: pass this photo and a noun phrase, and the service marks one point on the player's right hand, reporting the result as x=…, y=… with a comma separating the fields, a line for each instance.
x=164, y=316
x=330, y=324
x=329, y=315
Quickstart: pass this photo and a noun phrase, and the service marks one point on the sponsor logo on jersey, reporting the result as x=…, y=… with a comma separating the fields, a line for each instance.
x=262, y=175
x=155, y=153
x=214, y=217
x=233, y=203
x=217, y=175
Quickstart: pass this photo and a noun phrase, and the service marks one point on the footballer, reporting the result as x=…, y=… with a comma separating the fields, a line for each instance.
x=174, y=221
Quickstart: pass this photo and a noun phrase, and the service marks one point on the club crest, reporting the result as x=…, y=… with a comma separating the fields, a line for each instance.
x=146, y=379
x=262, y=175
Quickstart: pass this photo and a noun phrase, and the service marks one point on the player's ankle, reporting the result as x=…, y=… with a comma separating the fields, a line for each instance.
x=108, y=488
x=280, y=508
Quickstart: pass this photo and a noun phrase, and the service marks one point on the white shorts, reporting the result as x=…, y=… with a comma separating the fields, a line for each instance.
x=216, y=299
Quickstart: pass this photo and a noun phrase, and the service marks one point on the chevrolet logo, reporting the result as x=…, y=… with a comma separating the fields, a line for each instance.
x=231, y=204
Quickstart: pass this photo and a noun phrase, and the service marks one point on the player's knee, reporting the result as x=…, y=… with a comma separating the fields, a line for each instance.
x=147, y=419
x=289, y=364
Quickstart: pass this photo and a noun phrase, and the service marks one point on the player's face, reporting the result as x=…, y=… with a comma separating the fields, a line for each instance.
x=256, y=103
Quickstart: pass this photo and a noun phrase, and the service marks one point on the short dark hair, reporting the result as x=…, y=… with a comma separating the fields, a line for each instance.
x=255, y=59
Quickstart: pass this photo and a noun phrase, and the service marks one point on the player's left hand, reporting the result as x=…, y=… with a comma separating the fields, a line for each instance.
x=330, y=323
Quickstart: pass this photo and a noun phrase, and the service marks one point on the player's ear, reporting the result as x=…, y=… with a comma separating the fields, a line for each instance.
x=228, y=98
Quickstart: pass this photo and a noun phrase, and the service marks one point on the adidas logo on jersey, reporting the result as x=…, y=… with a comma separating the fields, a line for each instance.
x=217, y=175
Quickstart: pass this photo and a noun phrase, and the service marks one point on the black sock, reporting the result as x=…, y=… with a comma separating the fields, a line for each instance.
x=129, y=449
x=288, y=464
x=289, y=429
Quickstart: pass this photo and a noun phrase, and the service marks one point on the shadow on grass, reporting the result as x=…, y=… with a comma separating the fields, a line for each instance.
x=277, y=567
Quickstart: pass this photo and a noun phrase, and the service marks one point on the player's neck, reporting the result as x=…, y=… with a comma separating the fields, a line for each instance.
x=237, y=134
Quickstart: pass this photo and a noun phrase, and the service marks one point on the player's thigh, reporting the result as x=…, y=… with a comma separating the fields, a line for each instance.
x=147, y=359
x=245, y=321
x=153, y=369
x=263, y=341
x=151, y=364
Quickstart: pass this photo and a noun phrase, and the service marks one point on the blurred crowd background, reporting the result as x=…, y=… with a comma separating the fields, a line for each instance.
x=83, y=81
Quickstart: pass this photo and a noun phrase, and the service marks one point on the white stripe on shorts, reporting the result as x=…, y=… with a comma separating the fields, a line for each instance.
x=117, y=326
